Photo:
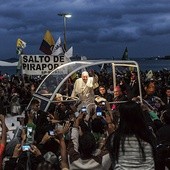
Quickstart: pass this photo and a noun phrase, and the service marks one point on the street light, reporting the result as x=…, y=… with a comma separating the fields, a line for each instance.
x=65, y=16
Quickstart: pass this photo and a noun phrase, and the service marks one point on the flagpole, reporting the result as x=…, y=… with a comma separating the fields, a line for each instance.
x=65, y=42
x=65, y=16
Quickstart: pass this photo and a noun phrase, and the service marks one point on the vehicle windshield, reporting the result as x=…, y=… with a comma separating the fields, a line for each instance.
x=57, y=83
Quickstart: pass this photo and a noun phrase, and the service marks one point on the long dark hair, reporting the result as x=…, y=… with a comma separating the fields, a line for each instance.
x=132, y=123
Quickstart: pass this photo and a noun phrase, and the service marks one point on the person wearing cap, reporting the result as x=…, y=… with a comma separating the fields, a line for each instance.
x=103, y=105
x=84, y=88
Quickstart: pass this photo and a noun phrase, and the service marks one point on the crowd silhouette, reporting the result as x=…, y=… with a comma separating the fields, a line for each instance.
x=117, y=131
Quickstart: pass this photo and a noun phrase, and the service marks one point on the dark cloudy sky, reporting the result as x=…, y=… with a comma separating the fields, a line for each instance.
x=98, y=28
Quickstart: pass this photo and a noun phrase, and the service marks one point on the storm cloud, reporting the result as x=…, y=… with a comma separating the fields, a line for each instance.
x=97, y=28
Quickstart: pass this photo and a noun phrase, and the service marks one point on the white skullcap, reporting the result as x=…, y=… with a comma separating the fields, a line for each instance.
x=85, y=73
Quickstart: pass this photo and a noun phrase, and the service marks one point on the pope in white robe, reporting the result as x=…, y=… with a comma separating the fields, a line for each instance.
x=84, y=88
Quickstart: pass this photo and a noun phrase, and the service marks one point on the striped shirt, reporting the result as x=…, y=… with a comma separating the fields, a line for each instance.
x=132, y=157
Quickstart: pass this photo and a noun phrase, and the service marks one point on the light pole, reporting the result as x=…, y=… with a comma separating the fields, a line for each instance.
x=65, y=16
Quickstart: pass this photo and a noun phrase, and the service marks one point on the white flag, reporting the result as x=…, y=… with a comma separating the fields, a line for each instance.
x=69, y=53
x=57, y=47
x=58, y=51
x=149, y=75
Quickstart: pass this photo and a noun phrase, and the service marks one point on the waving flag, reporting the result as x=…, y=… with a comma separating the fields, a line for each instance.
x=20, y=45
x=57, y=45
x=19, y=50
x=149, y=75
x=58, y=49
x=69, y=53
x=125, y=54
x=47, y=43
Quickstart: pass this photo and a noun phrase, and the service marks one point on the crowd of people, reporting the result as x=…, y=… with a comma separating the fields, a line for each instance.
x=120, y=130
